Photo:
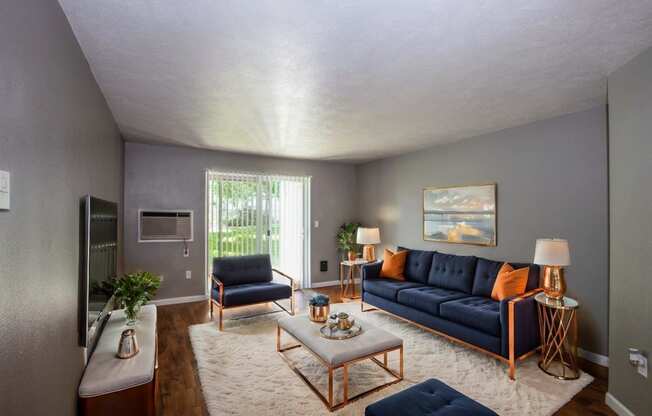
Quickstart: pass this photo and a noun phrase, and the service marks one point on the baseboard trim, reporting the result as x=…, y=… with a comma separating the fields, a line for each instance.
x=599, y=359
x=182, y=299
x=315, y=285
x=617, y=406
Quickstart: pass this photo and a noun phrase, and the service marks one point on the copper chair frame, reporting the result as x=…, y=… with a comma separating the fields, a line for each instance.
x=329, y=401
x=220, y=303
x=511, y=360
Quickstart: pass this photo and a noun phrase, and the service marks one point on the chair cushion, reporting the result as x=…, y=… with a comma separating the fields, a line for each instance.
x=449, y=271
x=387, y=288
x=253, y=293
x=430, y=398
x=243, y=269
x=417, y=265
x=476, y=312
x=428, y=298
x=486, y=272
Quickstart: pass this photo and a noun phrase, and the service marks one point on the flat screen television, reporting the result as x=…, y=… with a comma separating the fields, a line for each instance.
x=98, y=256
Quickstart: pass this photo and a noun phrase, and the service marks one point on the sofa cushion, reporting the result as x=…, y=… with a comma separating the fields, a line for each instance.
x=417, y=265
x=430, y=398
x=510, y=282
x=387, y=288
x=253, y=293
x=486, y=272
x=476, y=312
x=243, y=269
x=449, y=271
x=428, y=298
x=393, y=264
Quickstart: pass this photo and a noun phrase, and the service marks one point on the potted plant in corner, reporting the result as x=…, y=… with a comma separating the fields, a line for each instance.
x=134, y=290
x=319, y=308
x=346, y=238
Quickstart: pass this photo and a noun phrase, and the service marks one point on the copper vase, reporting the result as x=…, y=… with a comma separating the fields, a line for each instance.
x=318, y=313
x=554, y=285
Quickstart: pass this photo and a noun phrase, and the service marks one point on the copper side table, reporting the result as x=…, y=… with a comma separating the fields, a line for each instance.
x=347, y=277
x=558, y=330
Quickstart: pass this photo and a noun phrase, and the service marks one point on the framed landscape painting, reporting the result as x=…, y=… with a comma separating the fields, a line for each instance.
x=461, y=214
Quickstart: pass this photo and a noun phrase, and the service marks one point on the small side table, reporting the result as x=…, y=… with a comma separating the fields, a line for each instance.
x=558, y=330
x=347, y=277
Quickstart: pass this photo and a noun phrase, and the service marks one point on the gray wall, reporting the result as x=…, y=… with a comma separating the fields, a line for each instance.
x=59, y=141
x=170, y=177
x=630, y=176
x=551, y=181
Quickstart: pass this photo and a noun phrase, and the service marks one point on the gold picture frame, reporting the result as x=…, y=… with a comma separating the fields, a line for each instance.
x=463, y=214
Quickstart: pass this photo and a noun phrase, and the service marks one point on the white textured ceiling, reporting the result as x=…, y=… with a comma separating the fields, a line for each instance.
x=349, y=80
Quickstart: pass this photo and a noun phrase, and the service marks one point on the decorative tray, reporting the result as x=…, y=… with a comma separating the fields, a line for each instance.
x=336, y=333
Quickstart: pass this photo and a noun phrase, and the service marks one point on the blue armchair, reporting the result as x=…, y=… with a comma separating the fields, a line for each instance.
x=247, y=280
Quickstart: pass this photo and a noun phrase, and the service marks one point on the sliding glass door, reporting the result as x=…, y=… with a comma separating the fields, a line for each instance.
x=249, y=214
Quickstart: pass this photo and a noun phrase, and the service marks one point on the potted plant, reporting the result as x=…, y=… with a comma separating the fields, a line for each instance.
x=134, y=290
x=319, y=308
x=346, y=238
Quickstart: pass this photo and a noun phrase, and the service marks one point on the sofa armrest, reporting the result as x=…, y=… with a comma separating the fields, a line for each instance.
x=519, y=320
x=286, y=276
x=371, y=270
x=215, y=282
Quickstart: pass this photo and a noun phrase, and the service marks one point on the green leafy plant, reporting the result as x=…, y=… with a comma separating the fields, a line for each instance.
x=346, y=236
x=319, y=300
x=133, y=290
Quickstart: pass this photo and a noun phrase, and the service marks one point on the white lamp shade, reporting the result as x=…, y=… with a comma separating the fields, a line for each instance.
x=552, y=252
x=368, y=236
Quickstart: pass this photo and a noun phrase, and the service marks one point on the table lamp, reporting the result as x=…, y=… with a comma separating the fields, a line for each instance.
x=553, y=255
x=368, y=237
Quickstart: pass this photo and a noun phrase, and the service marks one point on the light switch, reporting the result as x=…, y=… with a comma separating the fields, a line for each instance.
x=5, y=188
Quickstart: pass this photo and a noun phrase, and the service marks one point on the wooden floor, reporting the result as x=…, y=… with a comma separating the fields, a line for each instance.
x=180, y=391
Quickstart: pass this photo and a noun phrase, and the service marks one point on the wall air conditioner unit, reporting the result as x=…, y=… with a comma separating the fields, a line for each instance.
x=164, y=226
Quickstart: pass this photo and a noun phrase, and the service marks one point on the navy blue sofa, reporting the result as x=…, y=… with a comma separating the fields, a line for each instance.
x=451, y=295
x=247, y=280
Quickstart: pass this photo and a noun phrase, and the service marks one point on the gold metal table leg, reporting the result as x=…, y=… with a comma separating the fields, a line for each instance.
x=558, y=330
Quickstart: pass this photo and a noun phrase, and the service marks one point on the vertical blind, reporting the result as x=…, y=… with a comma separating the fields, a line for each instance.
x=251, y=213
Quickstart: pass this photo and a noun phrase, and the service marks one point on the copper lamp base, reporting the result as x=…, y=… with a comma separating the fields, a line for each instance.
x=554, y=285
x=369, y=253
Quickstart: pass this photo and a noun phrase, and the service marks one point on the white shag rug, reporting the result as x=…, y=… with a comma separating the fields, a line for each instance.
x=242, y=374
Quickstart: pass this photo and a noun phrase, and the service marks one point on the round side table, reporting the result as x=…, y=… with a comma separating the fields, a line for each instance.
x=558, y=330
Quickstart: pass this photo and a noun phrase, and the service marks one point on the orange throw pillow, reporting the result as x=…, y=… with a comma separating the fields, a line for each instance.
x=510, y=282
x=393, y=264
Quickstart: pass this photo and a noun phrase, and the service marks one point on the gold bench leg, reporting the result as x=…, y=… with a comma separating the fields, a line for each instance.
x=345, y=375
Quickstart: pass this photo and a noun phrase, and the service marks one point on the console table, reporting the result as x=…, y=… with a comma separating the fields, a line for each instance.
x=113, y=386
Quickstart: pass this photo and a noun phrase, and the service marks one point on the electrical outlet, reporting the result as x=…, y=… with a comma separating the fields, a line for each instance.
x=188, y=274
x=642, y=368
x=638, y=360
x=162, y=278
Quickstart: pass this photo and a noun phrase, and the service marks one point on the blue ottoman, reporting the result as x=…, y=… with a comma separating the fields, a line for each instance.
x=432, y=397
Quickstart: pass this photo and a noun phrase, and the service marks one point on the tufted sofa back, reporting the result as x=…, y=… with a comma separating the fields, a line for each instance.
x=452, y=272
x=417, y=265
x=469, y=274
